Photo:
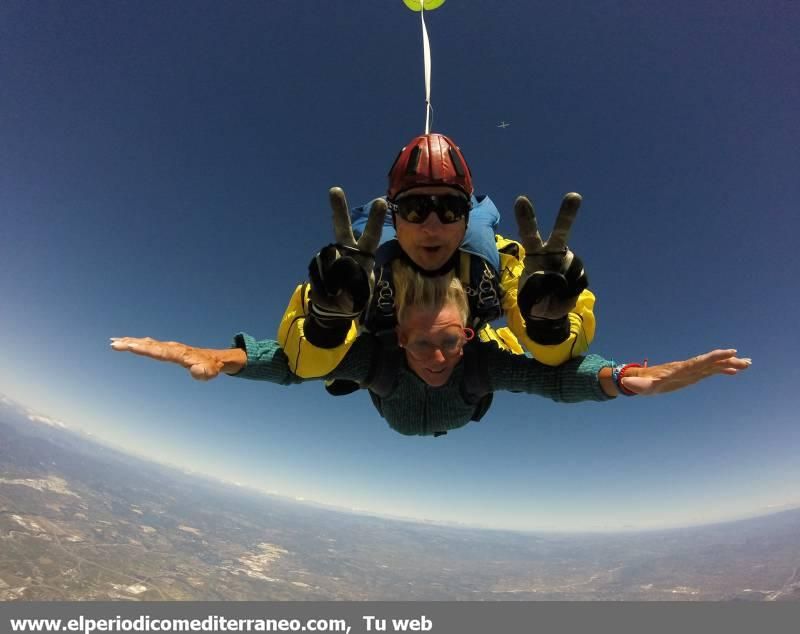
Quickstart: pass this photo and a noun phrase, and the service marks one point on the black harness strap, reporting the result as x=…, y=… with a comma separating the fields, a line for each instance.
x=476, y=386
x=385, y=365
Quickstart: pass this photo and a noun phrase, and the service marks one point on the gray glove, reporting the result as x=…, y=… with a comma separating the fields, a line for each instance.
x=341, y=274
x=553, y=276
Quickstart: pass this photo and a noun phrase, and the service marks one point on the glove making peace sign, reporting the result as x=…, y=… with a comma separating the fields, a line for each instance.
x=341, y=274
x=553, y=276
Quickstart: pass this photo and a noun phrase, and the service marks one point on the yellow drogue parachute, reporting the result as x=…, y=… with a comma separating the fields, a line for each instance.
x=419, y=5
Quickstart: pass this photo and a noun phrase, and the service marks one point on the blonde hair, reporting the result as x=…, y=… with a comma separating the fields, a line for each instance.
x=412, y=289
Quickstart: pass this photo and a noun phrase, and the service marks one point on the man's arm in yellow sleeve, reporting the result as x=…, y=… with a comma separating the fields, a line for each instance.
x=581, y=318
x=305, y=359
x=581, y=333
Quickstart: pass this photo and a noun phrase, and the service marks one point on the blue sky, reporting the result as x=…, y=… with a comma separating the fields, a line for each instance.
x=164, y=170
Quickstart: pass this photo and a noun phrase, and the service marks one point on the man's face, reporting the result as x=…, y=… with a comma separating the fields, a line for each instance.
x=433, y=342
x=432, y=243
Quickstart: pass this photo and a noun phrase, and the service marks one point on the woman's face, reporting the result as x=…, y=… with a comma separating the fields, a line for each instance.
x=433, y=342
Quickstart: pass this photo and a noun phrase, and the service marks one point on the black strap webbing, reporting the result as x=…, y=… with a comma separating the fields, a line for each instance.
x=475, y=386
x=385, y=365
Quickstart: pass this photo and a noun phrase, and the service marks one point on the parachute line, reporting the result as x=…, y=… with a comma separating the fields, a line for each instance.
x=426, y=52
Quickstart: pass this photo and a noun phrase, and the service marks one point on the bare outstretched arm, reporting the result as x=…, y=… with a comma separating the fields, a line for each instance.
x=676, y=375
x=203, y=364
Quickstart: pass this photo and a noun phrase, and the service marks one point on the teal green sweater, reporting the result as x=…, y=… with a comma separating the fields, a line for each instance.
x=415, y=408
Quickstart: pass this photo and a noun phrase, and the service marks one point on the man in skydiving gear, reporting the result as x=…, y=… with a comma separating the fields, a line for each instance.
x=432, y=220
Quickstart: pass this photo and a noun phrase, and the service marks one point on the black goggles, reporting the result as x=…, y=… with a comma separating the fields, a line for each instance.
x=416, y=209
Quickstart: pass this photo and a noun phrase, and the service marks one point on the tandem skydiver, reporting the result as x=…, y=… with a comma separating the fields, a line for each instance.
x=432, y=342
x=439, y=227
x=437, y=346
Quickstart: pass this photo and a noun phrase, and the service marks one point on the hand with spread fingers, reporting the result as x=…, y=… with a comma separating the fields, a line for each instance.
x=203, y=364
x=341, y=274
x=553, y=277
x=668, y=377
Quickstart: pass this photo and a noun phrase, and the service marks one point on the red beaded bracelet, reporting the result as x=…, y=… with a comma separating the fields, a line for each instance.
x=620, y=372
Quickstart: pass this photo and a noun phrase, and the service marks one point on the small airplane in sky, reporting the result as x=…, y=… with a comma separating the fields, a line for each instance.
x=503, y=124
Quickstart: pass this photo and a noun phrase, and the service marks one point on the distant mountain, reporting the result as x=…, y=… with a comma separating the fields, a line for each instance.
x=79, y=520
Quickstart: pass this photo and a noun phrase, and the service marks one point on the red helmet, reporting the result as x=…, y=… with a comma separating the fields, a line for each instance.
x=430, y=159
